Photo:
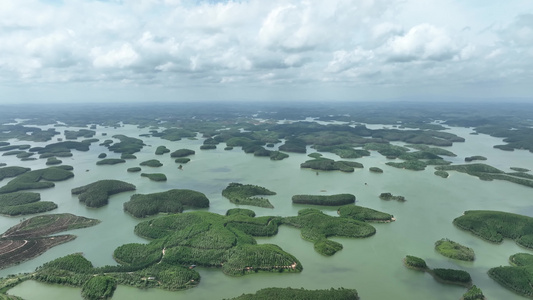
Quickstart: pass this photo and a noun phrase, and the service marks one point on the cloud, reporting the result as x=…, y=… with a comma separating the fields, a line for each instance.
x=280, y=44
x=422, y=42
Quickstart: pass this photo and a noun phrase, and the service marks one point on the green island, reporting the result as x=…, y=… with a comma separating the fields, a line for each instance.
x=20, y=132
x=389, y=196
x=494, y=226
x=174, y=134
x=182, y=160
x=102, y=155
x=63, y=149
x=386, y=149
x=171, y=201
x=518, y=169
x=442, y=174
x=473, y=293
x=15, y=147
x=73, y=134
x=98, y=287
x=475, y=157
x=134, y=169
x=12, y=171
x=343, y=150
x=209, y=240
x=127, y=145
x=375, y=170
x=31, y=238
x=14, y=152
x=316, y=227
x=300, y=294
x=326, y=164
x=37, y=179
x=127, y=156
x=110, y=161
x=414, y=165
x=52, y=161
x=160, y=150
x=97, y=194
x=75, y=270
x=151, y=163
x=488, y=173
x=155, y=176
x=24, y=203
x=454, y=250
x=208, y=147
x=331, y=200
x=449, y=276
x=182, y=153
x=243, y=194
x=414, y=262
x=518, y=277
x=432, y=150
x=364, y=214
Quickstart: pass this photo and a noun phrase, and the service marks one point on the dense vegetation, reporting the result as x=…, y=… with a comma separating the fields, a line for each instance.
x=442, y=174
x=518, y=277
x=151, y=163
x=155, y=176
x=28, y=209
x=75, y=270
x=454, y=250
x=486, y=172
x=182, y=160
x=98, y=287
x=31, y=237
x=97, y=194
x=473, y=293
x=375, y=170
x=475, y=157
x=37, y=179
x=364, y=214
x=172, y=201
x=127, y=156
x=389, y=196
x=331, y=200
x=52, y=161
x=127, y=145
x=494, y=226
x=211, y=240
x=110, y=161
x=134, y=169
x=73, y=134
x=415, y=262
x=12, y=171
x=182, y=153
x=300, y=294
x=316, y=227
x=327, y=164
x=160, y=150
x=452, y=276
x=243, y=194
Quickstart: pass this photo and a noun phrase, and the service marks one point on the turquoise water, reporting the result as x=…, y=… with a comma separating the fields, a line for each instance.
x=373, y=265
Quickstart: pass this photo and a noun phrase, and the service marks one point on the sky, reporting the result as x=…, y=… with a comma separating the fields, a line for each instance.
x=265, y=50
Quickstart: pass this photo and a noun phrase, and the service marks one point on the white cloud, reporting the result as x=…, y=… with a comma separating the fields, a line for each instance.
x=422, y=42
x=289, y=43
x=121, y=57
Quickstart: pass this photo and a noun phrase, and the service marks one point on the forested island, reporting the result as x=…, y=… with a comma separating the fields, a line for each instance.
x=172, y=201
x=96, y=194
x=244, y=194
